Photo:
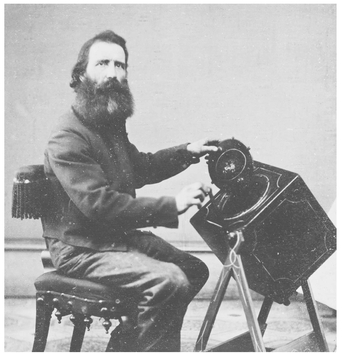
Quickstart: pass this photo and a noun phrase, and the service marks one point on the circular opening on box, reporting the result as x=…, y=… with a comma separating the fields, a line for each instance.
x=234, y=203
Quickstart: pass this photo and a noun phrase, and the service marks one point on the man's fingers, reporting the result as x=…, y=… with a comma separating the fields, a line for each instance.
x=197, y=195
x=203, y=146
x=197, y=202
x=201, y=188
x=214, y=142
x=209, y=145
x=193, y=194
x=210, y=148
x=196, y=185
x=206, y=189
x=202, y=193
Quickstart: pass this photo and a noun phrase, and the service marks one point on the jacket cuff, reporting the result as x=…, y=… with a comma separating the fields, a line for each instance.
x=187, y=157
x=167, y=214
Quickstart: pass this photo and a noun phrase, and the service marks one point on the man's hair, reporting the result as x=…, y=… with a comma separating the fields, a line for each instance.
x=83, y=56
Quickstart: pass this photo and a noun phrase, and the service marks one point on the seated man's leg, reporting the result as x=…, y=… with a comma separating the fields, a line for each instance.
x=157, y=248
x=162, y=289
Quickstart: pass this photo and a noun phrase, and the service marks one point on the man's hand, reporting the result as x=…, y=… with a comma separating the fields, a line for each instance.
x=193, y=194
x=202, y=147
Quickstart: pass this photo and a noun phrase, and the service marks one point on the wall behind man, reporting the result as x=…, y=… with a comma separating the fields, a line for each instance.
x=264, y=74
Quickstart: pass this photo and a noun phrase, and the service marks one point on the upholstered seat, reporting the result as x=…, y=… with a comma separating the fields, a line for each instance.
x=54, y=281
x=78, y=298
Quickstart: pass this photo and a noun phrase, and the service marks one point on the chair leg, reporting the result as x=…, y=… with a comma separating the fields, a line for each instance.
x=43, y=317
x=114, y=344
x=78, y=333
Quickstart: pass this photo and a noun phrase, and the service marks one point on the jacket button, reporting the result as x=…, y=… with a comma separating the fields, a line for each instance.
x=113, y=244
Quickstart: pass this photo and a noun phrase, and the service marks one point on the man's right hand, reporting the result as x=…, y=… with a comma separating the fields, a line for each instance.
x=193, y=194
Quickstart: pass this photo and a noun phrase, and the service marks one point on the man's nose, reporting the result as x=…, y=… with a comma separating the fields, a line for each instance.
x=111, y=70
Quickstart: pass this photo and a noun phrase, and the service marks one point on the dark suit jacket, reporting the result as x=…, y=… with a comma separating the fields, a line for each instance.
x=94, y=174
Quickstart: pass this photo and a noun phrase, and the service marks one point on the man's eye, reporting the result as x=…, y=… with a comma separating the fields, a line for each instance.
x=120, y=65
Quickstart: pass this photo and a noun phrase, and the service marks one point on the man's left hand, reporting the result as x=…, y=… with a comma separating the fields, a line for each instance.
x=202, y=147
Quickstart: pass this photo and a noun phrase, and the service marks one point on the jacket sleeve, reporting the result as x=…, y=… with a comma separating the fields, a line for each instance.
x=152, y=168
x=70, y=160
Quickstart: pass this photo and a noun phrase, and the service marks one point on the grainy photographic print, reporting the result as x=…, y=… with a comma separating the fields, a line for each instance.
x=170, y=177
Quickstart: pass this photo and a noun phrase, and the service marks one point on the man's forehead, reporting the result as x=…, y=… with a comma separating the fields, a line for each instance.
x=106, y=50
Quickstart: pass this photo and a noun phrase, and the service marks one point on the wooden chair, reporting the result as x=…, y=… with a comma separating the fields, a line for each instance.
x=78, y=298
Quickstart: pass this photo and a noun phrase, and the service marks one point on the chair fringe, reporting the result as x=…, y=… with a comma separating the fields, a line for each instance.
x=30, y=198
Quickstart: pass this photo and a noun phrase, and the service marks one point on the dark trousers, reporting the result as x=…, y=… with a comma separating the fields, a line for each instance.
x=161, y=278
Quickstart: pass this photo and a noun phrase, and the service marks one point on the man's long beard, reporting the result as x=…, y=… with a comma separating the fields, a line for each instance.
x=106, y=105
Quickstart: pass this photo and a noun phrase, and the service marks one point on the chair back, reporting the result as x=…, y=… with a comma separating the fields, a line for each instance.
x=31, y=193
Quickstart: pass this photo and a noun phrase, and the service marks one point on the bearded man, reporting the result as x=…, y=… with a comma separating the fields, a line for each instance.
x=93, y=230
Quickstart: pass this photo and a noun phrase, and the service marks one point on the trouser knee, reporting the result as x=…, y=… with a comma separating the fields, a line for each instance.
x=176, y=282
x=203, y=272
x=197, y=273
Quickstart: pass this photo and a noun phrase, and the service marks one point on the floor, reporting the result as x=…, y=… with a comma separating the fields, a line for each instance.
x=284, y=324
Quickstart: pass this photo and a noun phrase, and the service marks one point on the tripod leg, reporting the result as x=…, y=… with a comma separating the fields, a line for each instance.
x=314, y=318
x=246, y=299
x=264, y=311
x=213, y=308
